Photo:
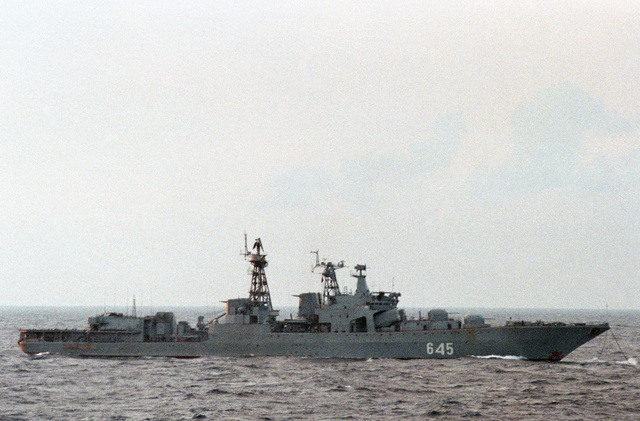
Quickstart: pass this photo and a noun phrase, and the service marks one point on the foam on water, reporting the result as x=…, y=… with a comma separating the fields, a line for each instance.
x=630, y=361
x=498, y=357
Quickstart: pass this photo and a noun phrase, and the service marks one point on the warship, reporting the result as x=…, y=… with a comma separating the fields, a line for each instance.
x=332, y=324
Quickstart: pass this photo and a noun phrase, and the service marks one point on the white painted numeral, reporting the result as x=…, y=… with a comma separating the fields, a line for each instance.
x=443, y=348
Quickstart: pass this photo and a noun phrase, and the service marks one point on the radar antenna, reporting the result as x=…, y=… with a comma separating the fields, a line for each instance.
x=331, y=288
x=259, y=295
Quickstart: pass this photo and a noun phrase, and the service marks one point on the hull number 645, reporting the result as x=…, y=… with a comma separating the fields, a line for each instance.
x=442, y=348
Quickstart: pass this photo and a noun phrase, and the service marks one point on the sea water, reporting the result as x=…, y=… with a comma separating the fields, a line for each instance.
x=600, y=380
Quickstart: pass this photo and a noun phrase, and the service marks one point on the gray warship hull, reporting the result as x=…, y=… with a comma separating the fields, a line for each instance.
x=530, y=342
x=545, y=342
x=334, y=324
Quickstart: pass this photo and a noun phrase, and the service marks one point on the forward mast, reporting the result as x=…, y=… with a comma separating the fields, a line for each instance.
x=331, y=289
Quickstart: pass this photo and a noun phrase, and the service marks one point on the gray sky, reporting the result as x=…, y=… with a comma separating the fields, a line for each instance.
x=471, y=154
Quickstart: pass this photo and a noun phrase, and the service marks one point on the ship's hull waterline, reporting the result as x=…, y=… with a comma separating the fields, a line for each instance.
x=531, y=342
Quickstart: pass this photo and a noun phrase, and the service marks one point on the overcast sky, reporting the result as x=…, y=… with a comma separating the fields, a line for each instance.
x=478, y=154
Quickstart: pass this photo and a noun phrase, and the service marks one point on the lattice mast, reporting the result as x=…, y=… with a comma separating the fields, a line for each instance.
x=259, y=295
x=331, y=288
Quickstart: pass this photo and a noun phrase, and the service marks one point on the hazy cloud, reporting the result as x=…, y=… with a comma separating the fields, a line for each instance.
x=552, y=133
x=478, y=153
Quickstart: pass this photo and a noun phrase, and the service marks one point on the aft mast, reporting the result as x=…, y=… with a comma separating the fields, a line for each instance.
x=259, y=295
